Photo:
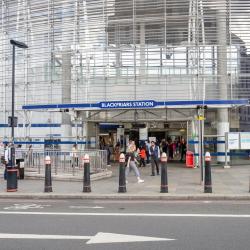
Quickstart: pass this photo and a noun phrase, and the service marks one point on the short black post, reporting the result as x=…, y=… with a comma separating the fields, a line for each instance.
x=86, y=177
x=122, y=177
x=12, y=172
x=164, y=173
x=48, y=179
x=208, y=178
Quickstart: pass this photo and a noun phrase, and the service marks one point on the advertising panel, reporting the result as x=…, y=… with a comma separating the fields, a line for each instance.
x=245, y=140
x=233, y=141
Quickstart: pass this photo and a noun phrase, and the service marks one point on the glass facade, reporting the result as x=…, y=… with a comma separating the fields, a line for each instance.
x=100, y=50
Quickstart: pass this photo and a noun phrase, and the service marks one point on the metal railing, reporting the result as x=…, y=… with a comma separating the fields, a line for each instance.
x=65, y=162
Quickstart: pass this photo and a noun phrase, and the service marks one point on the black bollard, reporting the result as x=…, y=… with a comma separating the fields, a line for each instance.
x=86, y=177
x=208, y=178
x=164, y=173
x=11, y=172
x=48, y=179
x=122, y=178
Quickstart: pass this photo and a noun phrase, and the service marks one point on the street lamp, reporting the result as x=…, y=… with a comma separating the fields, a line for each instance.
x=201, y=117
x=13, y=120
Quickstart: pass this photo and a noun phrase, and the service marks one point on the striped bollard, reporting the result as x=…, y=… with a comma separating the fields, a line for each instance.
x=86, y=177
x=164, y=173
x=122, y=178
x=208, y=178
x=48, y=179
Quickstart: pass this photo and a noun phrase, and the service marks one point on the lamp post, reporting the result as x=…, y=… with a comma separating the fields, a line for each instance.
x=201, y=117
x=12, y=118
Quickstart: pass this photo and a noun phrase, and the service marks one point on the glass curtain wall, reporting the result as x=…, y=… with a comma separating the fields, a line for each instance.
x=99, y=50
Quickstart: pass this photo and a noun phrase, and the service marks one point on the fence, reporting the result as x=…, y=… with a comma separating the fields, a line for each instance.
x=65, y=162
x=234, y=157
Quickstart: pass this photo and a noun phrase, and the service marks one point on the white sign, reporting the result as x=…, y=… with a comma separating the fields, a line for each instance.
x=92, y=142
x=152, y=139
x=143, y=134
x=245, y=140
x=233, y=141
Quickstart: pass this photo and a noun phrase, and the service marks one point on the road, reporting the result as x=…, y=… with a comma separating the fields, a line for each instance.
x=107, y=225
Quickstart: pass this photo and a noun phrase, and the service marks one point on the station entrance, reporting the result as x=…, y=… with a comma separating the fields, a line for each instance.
x=117, y=136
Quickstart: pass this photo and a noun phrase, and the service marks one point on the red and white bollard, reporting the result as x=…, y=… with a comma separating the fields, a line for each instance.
x=208, y=178
x=164, y=173
x=122, y=177
x=48, y=179
x=86, y=177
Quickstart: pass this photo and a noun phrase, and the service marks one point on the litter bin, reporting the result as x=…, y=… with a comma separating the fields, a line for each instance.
x=189, y=159
x=11, y=179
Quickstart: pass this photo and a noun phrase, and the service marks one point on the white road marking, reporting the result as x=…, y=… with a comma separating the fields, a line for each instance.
x=85, y=207
x=119, y=238
x=25, y=206
x=97, y=239
x=128, y=214
x=46, y=237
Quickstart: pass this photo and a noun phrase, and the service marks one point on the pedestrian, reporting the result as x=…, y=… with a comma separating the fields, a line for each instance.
x=19, y=159
x=131, y=162
x=155, y=156
x=171, y=150
x=117, y=151
x=30, y=156
x=147, y=151
x=107, y=148
x=183, y=149
x=7, y=158
x=74, y=156
x=142, y=154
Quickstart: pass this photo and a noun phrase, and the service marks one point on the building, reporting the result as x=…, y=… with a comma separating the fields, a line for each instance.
x=166, y=56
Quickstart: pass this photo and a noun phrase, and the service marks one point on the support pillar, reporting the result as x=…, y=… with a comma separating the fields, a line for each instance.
x=66, y=97
x=222, y=114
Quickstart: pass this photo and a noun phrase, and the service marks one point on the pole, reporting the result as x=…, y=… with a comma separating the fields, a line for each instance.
x=13, y=108
x=122, y=177
x=11, y=171
x=164, y=174
x=86, y=177
x=48, y=179
x=208, y=177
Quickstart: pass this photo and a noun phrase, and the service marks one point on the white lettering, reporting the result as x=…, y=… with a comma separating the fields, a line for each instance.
x=128, y=104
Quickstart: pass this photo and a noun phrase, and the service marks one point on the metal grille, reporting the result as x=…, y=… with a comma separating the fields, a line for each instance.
x=100, y=50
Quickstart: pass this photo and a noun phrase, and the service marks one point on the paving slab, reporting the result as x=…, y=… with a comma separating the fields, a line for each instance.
x=184, y=183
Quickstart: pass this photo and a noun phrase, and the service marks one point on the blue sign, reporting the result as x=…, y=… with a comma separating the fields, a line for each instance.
x=128, y=104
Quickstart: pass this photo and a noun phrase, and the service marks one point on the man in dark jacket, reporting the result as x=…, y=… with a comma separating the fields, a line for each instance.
x=154, y=152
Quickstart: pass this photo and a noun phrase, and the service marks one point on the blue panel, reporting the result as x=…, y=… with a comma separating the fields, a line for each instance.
x=192, y=142
x=135, y=104
x=50, y=142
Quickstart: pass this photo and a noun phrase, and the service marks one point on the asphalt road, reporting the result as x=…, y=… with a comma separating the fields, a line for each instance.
x=76, y=224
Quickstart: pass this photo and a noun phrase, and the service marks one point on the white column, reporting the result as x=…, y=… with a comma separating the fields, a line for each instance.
x=66, y=98
x=222, y=114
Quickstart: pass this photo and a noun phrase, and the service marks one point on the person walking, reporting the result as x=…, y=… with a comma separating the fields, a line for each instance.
x=155, y=156
x=131, y=164
x=7, y=159
x=117, y=151
x=74, y=156
x=147, y=151
x=19, y=159
x=142, y=154
x=183, y=149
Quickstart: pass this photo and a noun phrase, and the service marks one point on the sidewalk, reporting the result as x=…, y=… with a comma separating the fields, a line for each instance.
x=184, y=183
